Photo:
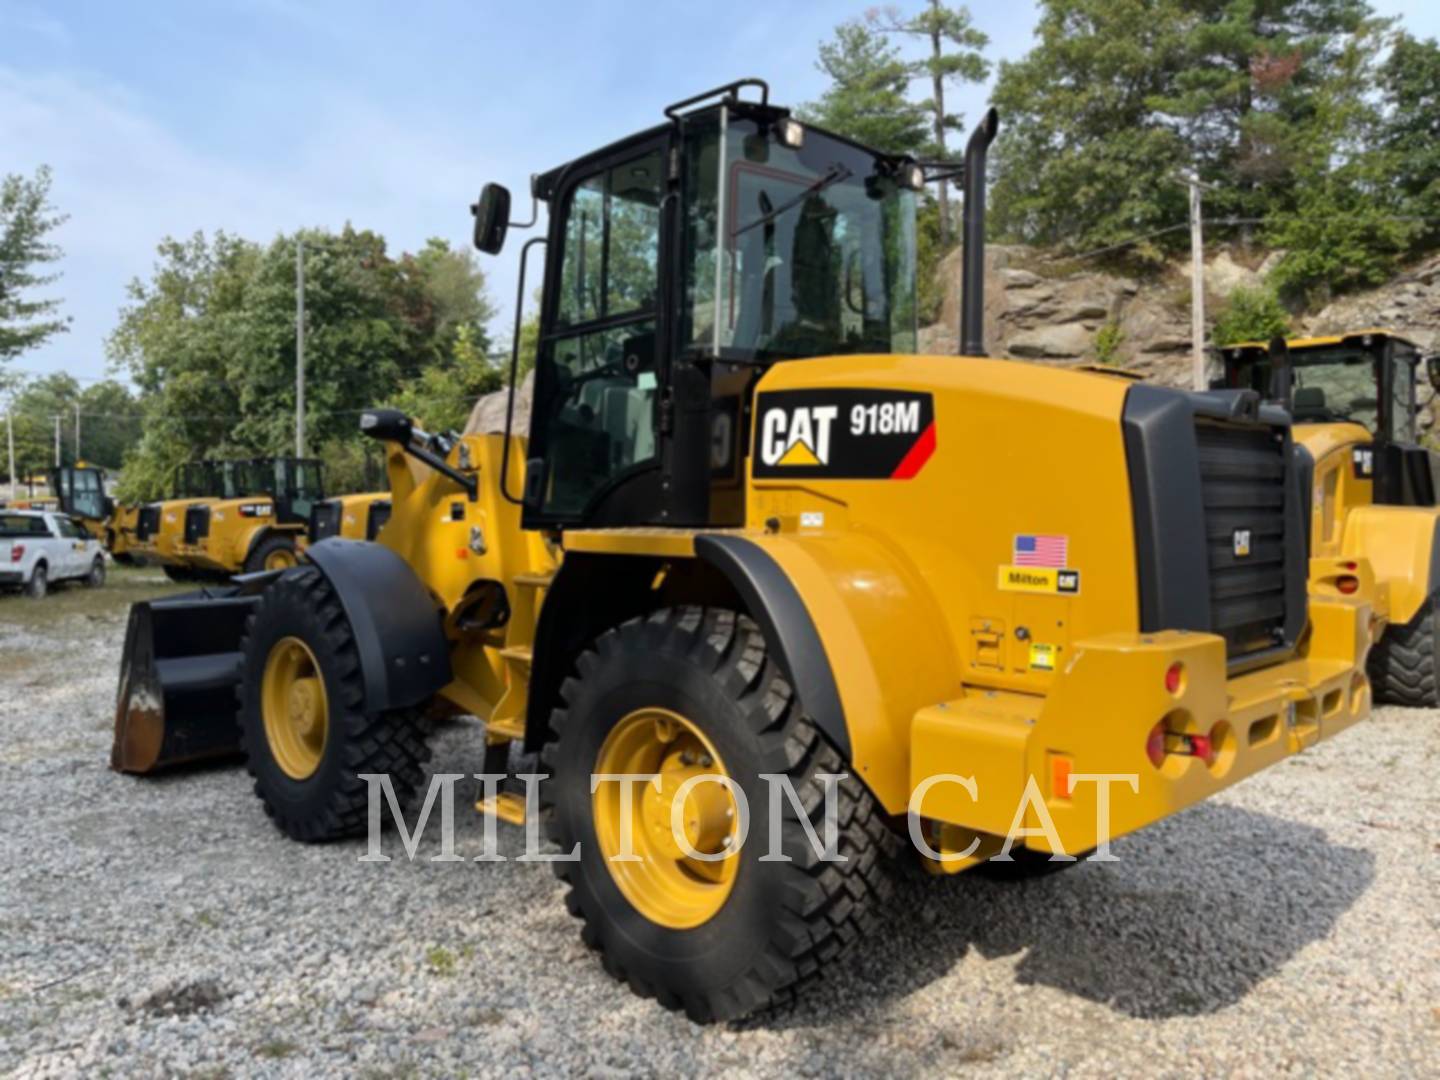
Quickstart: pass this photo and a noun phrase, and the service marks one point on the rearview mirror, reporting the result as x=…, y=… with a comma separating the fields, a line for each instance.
x=1432, y=369
x=492, y=218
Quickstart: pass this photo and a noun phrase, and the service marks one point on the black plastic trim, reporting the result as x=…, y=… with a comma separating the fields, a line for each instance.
x=773, y=601
x=404, y=656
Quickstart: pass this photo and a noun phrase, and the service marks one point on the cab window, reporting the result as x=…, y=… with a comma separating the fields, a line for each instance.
x=597, y=414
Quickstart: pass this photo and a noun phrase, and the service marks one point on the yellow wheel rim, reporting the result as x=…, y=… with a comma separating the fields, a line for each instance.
x=662, y=880
x=280, y=559
x=295, y=707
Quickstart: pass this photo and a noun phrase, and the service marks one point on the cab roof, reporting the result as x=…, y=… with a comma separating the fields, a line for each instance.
x=1323, y=341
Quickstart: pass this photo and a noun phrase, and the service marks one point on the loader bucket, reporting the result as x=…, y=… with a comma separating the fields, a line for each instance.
x=178, y=679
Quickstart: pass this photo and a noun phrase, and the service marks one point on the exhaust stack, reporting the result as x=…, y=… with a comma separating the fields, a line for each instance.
x=972, y=280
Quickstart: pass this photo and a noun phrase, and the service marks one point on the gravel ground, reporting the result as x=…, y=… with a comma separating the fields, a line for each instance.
x=154, y=927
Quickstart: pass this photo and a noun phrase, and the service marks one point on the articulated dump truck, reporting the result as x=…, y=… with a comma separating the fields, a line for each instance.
x=752, y=542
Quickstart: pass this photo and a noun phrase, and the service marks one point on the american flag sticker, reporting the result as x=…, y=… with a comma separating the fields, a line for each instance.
x=1041, y=549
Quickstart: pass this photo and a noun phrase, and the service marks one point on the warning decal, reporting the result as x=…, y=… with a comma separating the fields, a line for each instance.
x=843, y=434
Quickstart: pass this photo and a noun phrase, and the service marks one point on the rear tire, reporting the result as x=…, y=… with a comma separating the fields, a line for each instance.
x=1405, y=664
x=781, y=923
x=331, y=801
x=272, y=553
x=39, y=583
x=96, y=578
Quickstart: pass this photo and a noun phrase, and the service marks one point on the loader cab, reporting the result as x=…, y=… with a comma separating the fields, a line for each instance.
x=681, y=262
x=295, y=485
x=1367, y=379
x=81, y=491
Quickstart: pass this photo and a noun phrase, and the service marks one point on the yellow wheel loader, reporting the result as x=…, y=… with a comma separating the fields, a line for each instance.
x=160, y=526
x=1370, y=487
x=770, y=595
x=80, y=489
x=261, y=525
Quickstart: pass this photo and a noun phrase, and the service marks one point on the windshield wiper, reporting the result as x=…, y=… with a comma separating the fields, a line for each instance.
x=832, y=176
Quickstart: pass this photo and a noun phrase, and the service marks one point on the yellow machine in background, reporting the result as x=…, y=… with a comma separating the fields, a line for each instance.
x=753, y=543
x=160, y=526
x=262, y=525
x=1372, y=489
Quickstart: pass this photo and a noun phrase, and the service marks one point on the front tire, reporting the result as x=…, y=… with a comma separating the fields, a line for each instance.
x=1405, y=662
x=304, y=730
x=743, y=944
x=272, y=553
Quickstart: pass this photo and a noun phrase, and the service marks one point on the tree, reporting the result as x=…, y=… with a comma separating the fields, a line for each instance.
x=867, y=99
x=1120, y=95
x=210, y=341
x=34, y=409
x=1083, y=157
x=1410, y=130
x=1346, y=226
x=26, y=218
x=1250, y=315
x=941, y=26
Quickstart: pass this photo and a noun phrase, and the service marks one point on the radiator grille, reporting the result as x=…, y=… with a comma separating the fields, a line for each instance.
x=1244, y=478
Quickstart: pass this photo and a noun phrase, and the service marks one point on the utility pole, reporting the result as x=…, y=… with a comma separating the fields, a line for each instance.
x=10, y=438
x=299, y=347
x=77, y=433
x=1197, y=286
x=57, y=440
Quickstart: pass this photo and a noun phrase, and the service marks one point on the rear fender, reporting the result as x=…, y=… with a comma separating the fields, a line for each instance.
x=1402, y=545
x=859, y=634
x=398, y=628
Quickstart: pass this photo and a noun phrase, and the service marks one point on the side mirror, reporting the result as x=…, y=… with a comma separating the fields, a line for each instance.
x=1432, y=369
x=492, y=218
x=387, y=425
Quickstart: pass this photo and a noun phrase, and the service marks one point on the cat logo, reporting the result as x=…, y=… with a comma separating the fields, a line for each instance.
x=798, y=436
x=1241, y=541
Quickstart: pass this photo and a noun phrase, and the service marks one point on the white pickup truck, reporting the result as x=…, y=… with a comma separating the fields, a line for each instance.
x=38, y=547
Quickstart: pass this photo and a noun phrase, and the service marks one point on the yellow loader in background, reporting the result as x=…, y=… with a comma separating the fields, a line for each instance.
x=261, y=526
x=1370, y=486
x=754, y=544
x=160, y=526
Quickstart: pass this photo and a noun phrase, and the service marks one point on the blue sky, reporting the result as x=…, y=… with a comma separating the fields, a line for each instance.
x=262, y=116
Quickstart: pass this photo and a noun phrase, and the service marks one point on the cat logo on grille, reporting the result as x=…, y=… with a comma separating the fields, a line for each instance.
x=1242, y=543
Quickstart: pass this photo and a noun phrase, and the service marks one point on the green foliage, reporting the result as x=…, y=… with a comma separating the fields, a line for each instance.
x=26, y=218
x=1346, y=227
x=930, y=251
x=1250, y=315
x=109, y=419
x=1410, y=131
x=867, y=97
x=210, y=340
x=1108, y=340
x=1263, y=100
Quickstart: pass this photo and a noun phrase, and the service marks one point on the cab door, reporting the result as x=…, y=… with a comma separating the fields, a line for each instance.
x=595, y=436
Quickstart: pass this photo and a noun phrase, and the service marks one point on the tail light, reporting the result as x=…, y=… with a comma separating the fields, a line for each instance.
x=17, y=552
x=1347, y=584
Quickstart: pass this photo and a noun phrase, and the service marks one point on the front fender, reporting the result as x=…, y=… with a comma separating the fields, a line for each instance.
x=1402, y=544
x=404, y=657
x=859, y=633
